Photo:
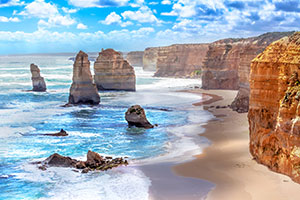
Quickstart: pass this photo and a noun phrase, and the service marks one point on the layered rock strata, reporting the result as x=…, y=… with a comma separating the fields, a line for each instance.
x=150, y=58
x=135, y=58
x=227, y=63
x=274, y=111
x=38, y=82
x=249, y=52
x=112, y=72
x=83, y=90
x=135, y=116
x=180, y=60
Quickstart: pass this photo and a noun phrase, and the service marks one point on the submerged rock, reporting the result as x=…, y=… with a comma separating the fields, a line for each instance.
x=135, y=116
x=83, y=90
x=112, y=72
x=94, y=162
x=38, y=82
x=62, y=132
x=56, y=160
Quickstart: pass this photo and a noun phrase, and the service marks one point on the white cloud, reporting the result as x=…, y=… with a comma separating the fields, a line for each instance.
x=112, y=18
x=172, y=13
x=40, y=9
x=153, y=3
x=143, y=15
x=166, y=2
x=81, y=26
x=42, y=35
x=124, y=24
x=57, y=20
x=11, y=19
x=12, y=3
x=69, y=11
x=97, y=3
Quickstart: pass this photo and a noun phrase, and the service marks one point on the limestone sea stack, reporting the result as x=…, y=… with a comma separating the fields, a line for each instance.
x=274, y=109
x=135, y=116
x=112, y=72
x=135, y=58
x=83, y=90
x=38, y=82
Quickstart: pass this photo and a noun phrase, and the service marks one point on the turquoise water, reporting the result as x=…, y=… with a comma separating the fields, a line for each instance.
x=25, y=116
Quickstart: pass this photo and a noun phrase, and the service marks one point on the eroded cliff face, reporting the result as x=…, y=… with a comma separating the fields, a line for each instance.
x=180, y=60
x=251, y=49
x=112, y=72
x=274, y=111
x=135, y=58
x=83, y=90
x=150, y=58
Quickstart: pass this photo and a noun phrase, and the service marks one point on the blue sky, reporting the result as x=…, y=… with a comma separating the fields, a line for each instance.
x=43, y=26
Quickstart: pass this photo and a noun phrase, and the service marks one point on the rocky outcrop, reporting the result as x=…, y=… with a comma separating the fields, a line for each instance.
x=112, y=72
x=83, y=90
x=94, y=162
x=62, y=132
x=38, y=82
x=180, y=60
x=274, y=111
x=135, y=58
x=135, y=116
x=249, y=52
x=150, y=58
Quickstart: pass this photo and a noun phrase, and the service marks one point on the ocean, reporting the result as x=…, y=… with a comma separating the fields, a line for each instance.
x=25, y=116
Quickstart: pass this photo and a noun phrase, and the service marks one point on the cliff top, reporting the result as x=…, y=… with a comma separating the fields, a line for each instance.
x=261, y=39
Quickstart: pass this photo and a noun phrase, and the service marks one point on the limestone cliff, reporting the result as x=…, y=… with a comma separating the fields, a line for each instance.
x=83, y=90
x=180, y=60
x=38, y=82
x=227, y=63
x=135, y=58
x=150, y=58
x=112, y=72
x=274, y=111
x=255, y=46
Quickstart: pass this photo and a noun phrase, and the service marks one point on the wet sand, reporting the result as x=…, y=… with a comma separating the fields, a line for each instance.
x=228, y=163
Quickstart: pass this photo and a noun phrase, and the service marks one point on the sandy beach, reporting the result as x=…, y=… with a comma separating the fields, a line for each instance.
x=228, y=163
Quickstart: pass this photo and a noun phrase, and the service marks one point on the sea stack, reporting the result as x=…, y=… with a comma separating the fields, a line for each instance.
x=83, y=90
x=38, y=82
x=274, y=108
x=135, y=58
x=135, y=116
x=112, y=72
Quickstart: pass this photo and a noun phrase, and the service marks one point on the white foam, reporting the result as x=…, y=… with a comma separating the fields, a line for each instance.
x=122, y=183
x=7, y=131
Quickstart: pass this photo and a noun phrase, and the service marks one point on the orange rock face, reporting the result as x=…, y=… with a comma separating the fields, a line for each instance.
x=251, y=49
x=112, y=72
x=83, y=90
x=274, y=111
x=180, y=60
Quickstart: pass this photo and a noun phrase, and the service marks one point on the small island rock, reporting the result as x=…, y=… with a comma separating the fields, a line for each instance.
x=135, y=116
x=38, y=82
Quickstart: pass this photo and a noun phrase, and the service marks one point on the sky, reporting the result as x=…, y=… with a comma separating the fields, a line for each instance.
x=45, y=26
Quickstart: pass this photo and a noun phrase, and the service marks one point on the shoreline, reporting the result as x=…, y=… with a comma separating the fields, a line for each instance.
x=227, y=161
